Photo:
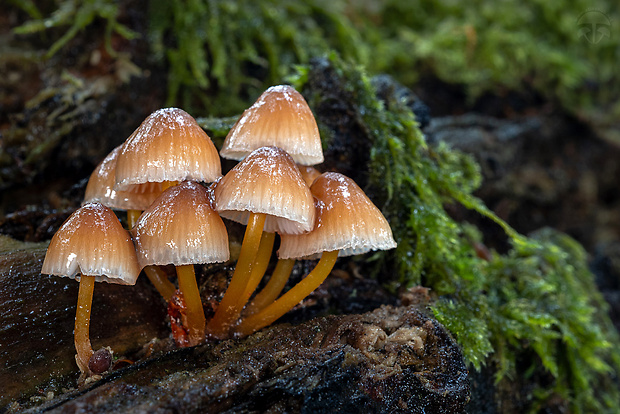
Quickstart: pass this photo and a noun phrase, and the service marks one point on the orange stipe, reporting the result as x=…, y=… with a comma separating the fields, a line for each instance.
x=258, y=268
x=291, y=298
x=273, y=288
x=228, y=310
x=82, y=322
x=191, y=294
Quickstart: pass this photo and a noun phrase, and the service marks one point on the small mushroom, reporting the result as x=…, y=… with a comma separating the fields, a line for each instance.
x=266, y=192
x=347, y=223
x=181, y=228
x=90, y=246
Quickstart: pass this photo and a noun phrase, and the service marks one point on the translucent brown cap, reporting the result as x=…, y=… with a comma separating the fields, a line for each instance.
x=168, y=146
x=100, y=188
x=267, y=181
x=181, y=228
x=346, y=220
x=93, y=242
x=280, y=117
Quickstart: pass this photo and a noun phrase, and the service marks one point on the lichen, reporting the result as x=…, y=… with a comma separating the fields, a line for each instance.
x=536, y=303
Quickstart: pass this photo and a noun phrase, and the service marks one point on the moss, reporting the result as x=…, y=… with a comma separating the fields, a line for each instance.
x=537, y=303
x=77, y=15
x=491, y=47
x=220, y=54
x=235, y=49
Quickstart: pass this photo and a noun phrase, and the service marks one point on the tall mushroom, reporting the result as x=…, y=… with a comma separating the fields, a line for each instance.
x=280, y=117
x=100, y=188
x=347, y=223
x=264, y=191
x=181, y=228
x=90, y=246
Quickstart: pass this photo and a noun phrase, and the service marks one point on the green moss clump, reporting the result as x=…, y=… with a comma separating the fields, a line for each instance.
x=78, y=15
x=538, y=303
x=221, y=54
x=235, y=49
x=491, y=46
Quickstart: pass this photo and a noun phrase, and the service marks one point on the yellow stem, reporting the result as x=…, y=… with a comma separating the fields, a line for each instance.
x=258, y=268
x=194, y=311
x=82, y=322
x=228, y=310
x=160, y=280
x=167, y=184
x=132, y=218
x=272, y=290
x=291, y=298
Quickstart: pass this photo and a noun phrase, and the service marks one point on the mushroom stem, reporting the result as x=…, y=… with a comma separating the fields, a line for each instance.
x=191, y=295
x=82, y=322
x=228, y=310
x=258, y=268
x=160, y=280
x=291, y=298
x=273, y=288
x=132, y=217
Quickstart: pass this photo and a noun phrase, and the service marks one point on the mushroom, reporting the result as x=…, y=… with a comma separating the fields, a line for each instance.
x=168, y=147
x=100, y=188
x=91, y=246
x=181, y=228
x=347, y=223
x=264, y=191
x=282, y=118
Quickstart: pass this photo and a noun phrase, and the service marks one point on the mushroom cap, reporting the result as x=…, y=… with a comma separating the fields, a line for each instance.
x=346, y=221
x=169, y=145
x=93, y=242
x=267, y=181
x=280, y=117
x=181, y=228
x=100, y=188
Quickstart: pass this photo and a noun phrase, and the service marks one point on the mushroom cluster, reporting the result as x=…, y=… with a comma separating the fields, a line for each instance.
x=156, y=176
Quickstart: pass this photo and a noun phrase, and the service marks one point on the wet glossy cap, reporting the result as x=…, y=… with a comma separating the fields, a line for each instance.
x=93, y=242
x=267, y=181
x=181, y=228
x=100, y=188
x=168, y=146
x=346, y=220
x=280, y=117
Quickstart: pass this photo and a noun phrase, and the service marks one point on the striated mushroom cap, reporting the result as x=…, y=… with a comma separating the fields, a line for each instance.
x=93, y=242
x=100, y=188
x=280, y=117
x=267, y=181
x=181, y=228
x=346, y=220
x=168, y=146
